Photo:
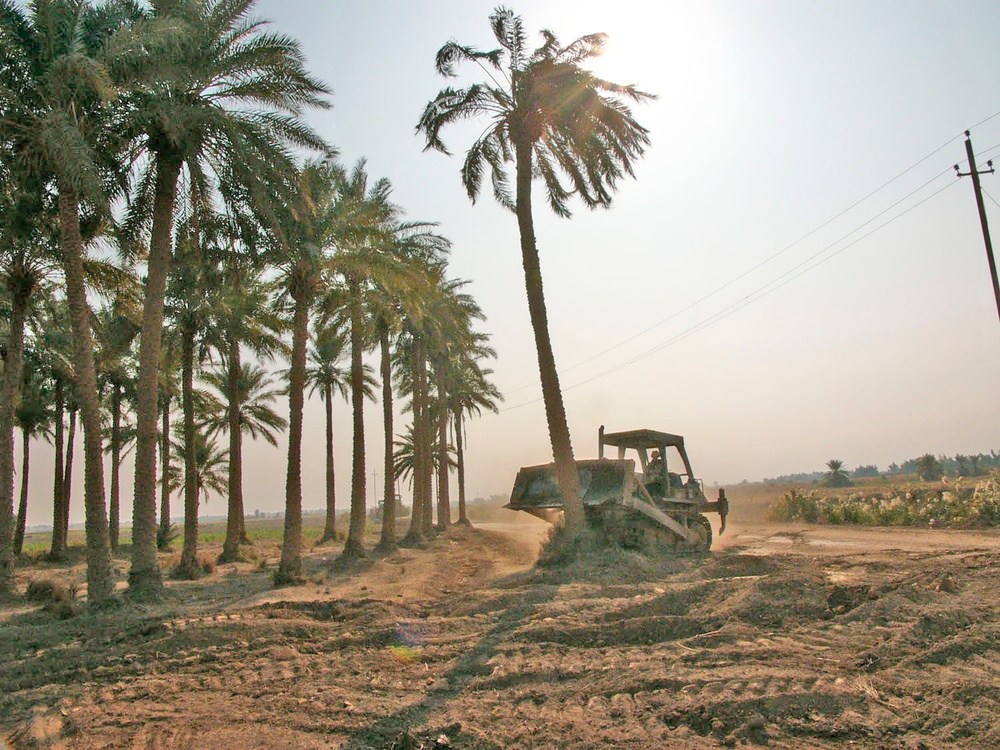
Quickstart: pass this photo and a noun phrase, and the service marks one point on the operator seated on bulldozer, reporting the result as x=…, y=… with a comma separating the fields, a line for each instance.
x=658, y=480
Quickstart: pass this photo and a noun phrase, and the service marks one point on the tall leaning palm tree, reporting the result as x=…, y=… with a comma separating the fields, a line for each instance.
x=556, y=120
x=217, y=92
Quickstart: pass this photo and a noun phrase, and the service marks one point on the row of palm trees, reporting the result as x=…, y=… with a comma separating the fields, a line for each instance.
x=166, y=136
x=201, y=330
x=183, y=119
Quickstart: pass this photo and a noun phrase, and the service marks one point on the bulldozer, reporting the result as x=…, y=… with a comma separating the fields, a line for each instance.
x=657, y=506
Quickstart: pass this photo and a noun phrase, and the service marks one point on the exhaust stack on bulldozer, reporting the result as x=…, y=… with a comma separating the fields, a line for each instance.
x=660, y=505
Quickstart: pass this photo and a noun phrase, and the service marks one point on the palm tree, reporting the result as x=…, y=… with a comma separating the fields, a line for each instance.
x=309, y=226
x=117, y=329
x=33, y=416
x=167, y=390
x=404, y=461
x=218, y=93
x=412, y=377
x=411, y=374
x=330, y=236
x=326, y=375
x=243, y=312
x=549, y=116
x=425, y=250
x=929, y=467
x=54, y=343
x=189, y=300
x=470, y=393
x=22, y=275
x=364, y=269
x=61, y=129
x=836, y=476
x=209, y=460
x=72, y=409
x=452, y=313
x=255, y=417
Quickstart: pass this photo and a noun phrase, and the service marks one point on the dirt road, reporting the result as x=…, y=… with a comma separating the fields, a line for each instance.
x=785, y=636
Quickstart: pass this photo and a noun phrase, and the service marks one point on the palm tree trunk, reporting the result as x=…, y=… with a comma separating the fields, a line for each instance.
x=114, y=519
x=241, y=523
x=425, y=441
x=330, y=528
x=290, y=566
x=188, y=566
x=234, y=518
x=444, y=499
x=164, y=532
x=388, y=539
x=354, y=546
x=463, y=519
x=555, y=411
x=416, y=532
x=144, y=576
x=22, y=506
x=11, y=388
x=58, y=550
x=100, y=585
x=68, y=477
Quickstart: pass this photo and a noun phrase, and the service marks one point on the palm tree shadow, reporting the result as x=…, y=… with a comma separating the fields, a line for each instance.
x=469, y=666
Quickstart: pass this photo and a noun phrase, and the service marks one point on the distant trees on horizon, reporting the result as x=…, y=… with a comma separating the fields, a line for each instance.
x=928, y=466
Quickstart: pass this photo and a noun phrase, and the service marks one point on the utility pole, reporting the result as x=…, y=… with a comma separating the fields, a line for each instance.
x=974, y=173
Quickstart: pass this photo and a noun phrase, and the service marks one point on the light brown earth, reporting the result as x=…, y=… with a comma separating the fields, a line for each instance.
x=785, y=636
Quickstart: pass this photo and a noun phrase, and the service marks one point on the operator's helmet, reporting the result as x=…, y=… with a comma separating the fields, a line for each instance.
x=656, y=455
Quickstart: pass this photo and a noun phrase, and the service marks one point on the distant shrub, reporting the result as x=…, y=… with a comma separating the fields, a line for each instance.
x=796, y=505
x=915, y=506
x=869, y=470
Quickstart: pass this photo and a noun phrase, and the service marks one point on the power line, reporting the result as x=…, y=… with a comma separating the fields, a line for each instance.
x=775, y=255
x=759, y=293
x=986, y=193
x=764, y=290
x=974, y=173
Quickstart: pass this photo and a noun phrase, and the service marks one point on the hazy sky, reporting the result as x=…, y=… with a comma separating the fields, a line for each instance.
x=772, y=119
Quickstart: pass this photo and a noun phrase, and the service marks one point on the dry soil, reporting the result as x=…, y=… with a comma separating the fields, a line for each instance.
x=784, y=636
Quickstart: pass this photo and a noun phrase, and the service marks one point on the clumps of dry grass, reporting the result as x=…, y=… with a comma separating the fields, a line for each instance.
x=207, y=563
x=55, y=596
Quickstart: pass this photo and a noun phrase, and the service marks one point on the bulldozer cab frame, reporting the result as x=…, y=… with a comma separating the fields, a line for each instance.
x=670, y=481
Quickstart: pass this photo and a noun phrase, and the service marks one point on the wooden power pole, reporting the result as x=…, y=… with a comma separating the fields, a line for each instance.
x=974, y=173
